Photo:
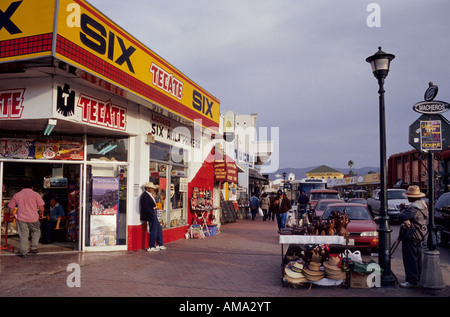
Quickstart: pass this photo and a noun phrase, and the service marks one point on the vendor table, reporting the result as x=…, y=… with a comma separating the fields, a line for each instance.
x=296, y=242
x=302, y=240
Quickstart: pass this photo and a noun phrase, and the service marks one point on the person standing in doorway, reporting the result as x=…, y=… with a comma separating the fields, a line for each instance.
x=281, y=206
x=149, y=213
x=30, y=206
x=49, y=222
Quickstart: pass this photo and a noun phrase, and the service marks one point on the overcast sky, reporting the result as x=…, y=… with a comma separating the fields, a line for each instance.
x=300, y=65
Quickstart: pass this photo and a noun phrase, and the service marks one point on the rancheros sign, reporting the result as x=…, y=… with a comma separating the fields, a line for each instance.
x=431, y=132
x=431, y=107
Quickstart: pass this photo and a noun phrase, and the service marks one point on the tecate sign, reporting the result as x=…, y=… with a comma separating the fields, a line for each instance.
x=431, y=107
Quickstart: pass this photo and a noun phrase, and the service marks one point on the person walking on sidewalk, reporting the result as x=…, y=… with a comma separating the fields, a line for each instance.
x=149, y=214
x=265, y=204
x=272, y=198
x=303, y=201
x=28, y=202
x=281, y=206
x=254, y=205
x=412, y=232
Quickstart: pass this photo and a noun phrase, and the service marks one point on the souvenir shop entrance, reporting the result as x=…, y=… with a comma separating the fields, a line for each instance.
x=57, y=181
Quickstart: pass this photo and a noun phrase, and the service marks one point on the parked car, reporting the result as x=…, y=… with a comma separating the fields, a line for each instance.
x=361, y=201
x=442, y=219
x=362, y=228
x=317, y=194
x=321, y=205
x=395, y=200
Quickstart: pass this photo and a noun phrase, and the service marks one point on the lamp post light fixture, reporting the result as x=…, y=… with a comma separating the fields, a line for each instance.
x=380, y=63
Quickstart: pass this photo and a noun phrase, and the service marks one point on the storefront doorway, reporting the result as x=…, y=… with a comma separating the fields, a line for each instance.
x=60, y=181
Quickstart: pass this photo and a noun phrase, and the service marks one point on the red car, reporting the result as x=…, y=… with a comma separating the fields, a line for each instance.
x=358, y=201
x=322, y=204
x=317, y=194
x=362, y=228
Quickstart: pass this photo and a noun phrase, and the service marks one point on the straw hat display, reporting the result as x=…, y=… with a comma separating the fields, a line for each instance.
x=294, y=273
x=332, y=269
x=312, y=272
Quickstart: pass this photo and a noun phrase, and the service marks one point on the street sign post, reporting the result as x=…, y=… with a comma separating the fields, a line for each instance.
x=430, y=134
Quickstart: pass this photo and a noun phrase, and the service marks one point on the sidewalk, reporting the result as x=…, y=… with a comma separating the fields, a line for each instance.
x=242, y=261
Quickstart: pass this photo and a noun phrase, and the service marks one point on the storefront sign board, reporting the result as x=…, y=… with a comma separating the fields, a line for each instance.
x=171, y=132
x=80, y=104
x=41, y=149
x=225, y=171
x=90, y=41
x=83, y=37
x=19, y=97
x=26, y=29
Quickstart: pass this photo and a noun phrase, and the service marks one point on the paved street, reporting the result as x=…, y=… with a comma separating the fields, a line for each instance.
x=242, y=261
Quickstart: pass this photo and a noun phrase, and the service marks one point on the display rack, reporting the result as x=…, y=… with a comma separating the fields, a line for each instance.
x=297, y=243
x=306, y=239
x=6, y=220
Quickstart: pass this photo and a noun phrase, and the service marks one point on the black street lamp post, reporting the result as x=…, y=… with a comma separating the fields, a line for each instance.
x=380, y=63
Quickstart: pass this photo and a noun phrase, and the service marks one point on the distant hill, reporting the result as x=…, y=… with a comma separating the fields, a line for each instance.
x=300, y=172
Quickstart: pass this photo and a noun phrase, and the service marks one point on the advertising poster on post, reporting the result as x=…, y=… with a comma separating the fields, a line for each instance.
x=431, y=135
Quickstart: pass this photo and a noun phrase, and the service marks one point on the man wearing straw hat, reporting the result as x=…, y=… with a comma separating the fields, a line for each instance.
x=412, y=232
x=149, y=213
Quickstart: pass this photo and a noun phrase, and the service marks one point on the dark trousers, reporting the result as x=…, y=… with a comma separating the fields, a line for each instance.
x=47, y=230
x=156, y=236
x=271, y=214
x=412, y=260
x=254, y=212
x=265, y=214
x=301, y=210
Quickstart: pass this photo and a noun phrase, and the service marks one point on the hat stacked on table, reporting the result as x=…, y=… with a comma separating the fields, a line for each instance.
x=313, y=272
x=294, y=273
x=332, y=269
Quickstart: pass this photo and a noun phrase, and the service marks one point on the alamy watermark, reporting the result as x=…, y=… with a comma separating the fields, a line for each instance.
x=374, y=278
x=74, y=278
x=374, y=18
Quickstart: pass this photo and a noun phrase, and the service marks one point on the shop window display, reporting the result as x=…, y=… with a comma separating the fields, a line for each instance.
x=107, y=149
x=106, y=205
x=168, y=174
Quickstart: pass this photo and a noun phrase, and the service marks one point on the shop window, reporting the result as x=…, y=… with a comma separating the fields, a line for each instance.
x=169, y=177
x=167, y=153
x=107, y=149
x=177, y=197
x=106, y=205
